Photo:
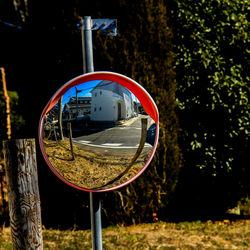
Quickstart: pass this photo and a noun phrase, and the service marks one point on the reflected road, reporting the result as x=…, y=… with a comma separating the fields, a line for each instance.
x=125, y=137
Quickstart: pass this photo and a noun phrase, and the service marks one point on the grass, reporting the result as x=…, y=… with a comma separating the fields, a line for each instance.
x=92, y=169
x=184, y=235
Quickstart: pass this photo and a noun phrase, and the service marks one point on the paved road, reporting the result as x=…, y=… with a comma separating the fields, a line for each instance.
x=125, y=137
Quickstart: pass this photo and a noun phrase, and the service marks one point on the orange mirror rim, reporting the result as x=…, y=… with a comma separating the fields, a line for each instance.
x=142, y=95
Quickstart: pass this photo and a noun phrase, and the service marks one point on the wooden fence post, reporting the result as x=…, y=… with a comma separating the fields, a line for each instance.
x=7, y=102
x=23, y=193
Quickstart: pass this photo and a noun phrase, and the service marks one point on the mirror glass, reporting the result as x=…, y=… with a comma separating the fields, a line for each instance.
x=97, y=135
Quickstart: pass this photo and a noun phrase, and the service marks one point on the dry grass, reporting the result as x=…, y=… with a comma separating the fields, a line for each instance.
x=185, y=235
x=90, y=169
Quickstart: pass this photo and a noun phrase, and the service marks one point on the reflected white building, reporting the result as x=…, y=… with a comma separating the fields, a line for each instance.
x=112, y=102
x=77, y=107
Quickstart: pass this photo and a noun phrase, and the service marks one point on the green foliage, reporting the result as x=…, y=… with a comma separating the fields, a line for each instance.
x=211, y=39
x=144, y=51
x=17, y=121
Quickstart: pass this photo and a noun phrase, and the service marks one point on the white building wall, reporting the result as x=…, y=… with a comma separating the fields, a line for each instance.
x=123, y=109
x=128, y=105
x=103, y=106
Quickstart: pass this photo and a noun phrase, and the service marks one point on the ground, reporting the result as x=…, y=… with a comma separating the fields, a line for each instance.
x=223, y=234
x=89, y=169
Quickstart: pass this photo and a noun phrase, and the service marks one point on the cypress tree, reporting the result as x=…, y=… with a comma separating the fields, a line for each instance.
x=143, y=50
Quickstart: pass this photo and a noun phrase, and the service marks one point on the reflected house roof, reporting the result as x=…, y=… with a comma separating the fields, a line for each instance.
x=83, y=102
x=110, y=86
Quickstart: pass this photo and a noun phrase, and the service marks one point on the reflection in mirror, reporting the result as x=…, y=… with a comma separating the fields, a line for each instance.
x=98, y=135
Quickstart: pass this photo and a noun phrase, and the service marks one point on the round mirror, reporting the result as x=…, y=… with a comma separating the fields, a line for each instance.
x=99, y=131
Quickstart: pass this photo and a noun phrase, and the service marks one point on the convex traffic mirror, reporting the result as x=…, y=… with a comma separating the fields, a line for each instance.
x=99, y=131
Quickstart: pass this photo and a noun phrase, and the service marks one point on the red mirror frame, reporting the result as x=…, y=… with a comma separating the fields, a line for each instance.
x=142, y=95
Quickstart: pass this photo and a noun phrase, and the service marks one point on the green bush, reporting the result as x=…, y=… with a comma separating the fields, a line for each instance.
x=211, y=39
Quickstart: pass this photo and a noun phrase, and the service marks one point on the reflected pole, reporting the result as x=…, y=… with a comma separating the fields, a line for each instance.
x=76, y=102
x=94, y=198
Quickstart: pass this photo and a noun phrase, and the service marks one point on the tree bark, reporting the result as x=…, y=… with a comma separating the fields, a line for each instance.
x=23, y=192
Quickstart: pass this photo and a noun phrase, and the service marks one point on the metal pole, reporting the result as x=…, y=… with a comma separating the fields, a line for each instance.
x=88, y=44
x=77, y=103
x=96, y=221
x=83, y=47
x=94, y=198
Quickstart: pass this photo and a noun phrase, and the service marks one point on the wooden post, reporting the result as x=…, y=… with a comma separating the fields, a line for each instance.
x=23, y=193
x=70, y=139
x=7, y=102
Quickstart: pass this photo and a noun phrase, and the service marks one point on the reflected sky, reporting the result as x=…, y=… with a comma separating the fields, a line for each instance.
x=85, y=89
